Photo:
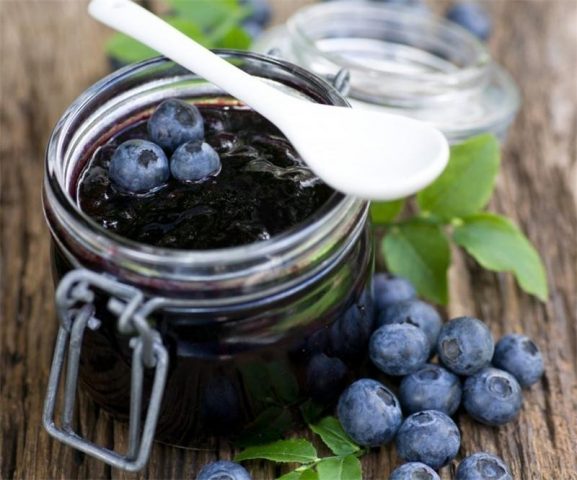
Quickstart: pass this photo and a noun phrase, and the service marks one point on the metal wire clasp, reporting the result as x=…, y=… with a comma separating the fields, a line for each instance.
x=74, y=303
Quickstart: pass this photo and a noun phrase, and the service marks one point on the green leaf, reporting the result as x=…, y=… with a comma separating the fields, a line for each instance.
x=269, y=426
x=340, y=468
x=293, y=450
x=128, y=50
x=294, y=475
x=385, y=212
x=466, y=185
x=207, y=13
x=309, y=474
x=500, y=246
x=420, y=252
x=332, y=433
x=312, y=411
x=236, y=38
x=220, y=20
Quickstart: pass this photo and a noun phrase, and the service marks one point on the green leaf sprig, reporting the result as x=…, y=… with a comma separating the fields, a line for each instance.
x=343, y=465
x=451, y=209
x=214, y=24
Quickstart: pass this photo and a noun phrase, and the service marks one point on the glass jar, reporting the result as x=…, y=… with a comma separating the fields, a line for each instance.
x=216, y=342
x=403, y=60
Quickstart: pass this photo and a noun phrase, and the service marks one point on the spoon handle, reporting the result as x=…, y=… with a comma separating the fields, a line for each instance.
x=135, y=21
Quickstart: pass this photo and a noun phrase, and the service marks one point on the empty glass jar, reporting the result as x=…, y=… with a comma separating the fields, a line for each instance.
x=402, y=60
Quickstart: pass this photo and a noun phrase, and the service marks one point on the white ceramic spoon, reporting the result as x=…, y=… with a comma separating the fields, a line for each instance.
x=370, y=155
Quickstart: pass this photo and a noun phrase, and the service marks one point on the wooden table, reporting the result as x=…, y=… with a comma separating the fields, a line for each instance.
x=50, y=51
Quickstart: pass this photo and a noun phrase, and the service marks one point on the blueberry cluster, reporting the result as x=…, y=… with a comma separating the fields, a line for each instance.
x=175, y=129
x=486, y=379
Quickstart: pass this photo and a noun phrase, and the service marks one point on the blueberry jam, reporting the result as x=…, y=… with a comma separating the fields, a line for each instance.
x=263, y=189
x=258, y=339
x=230, y=368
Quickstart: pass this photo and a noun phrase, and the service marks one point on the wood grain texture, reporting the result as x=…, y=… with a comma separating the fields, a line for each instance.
x=50, y=51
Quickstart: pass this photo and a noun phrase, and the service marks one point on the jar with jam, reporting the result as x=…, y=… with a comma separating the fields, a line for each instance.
x=221, y=307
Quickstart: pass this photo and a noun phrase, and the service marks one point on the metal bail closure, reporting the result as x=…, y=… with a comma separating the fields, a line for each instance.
x=74, y=301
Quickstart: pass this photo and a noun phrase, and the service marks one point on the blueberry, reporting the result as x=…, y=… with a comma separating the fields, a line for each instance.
x=175, y=122
x=326, y=378
x=492, y=396
x=366, y=304
x=138, y=166
x=253, y=29
x=317, y=342
x=465, y=345
x=414, y=471
x=519, y=356
x=472, y=17
x=223, y=470
x=194, y=161
x=483, y=466
x=430, y=388
x=349, y=335
x=369, y=413
x=399, y=349
x=428, y=437
x=260, y=12
x=417, y=313
x=390, y=290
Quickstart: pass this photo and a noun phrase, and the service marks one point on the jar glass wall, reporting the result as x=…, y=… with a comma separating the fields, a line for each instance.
x=402, y=60
x=248, y=329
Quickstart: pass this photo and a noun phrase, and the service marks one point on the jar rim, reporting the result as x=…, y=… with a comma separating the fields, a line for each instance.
x=383, y=12
x=96, y=238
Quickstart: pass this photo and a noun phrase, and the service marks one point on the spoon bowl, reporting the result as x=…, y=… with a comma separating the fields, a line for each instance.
x=352, y=150
x=371, y=155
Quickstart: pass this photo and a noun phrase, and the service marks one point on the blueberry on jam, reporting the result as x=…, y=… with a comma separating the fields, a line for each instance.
x=194, y=161
x=138, y=166
x=263, y=188
x=175, y=122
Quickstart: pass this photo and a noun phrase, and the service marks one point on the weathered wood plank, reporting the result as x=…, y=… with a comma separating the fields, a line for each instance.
x=50, y=51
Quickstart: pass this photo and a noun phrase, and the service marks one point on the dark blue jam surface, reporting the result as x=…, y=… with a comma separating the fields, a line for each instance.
x=262, y=190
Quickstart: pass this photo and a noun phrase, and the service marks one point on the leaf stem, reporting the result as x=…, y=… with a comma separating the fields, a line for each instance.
x=306, y=466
